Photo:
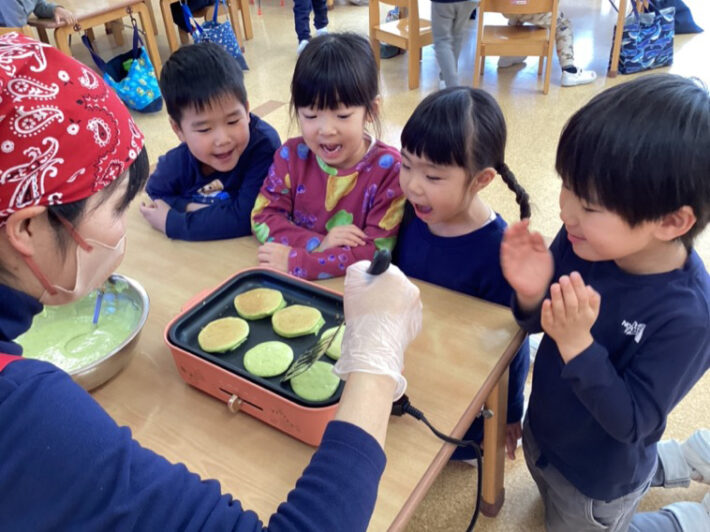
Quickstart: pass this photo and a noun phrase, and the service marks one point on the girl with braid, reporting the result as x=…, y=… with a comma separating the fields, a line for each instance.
x=453, y=146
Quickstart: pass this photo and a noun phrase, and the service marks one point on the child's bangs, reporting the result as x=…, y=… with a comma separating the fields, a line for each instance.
x=329, y=85
x=434, y=131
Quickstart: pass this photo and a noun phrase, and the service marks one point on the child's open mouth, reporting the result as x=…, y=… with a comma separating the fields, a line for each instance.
x=331, y=149
x=223, y=156
x=422, y=209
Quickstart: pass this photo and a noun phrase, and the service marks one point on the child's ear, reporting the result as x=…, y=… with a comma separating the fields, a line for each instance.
x=177, y=130
x=483, y=178
x=375, y=109
x=676, y=224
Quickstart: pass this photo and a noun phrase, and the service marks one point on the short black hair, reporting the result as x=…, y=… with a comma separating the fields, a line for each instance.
x=641, y=149
x=197, y=75
x=137, y=175
x=464, y=127
x=335, y=69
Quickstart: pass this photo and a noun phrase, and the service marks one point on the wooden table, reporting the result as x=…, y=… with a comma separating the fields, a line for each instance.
x=97, y=12
x=458, y=361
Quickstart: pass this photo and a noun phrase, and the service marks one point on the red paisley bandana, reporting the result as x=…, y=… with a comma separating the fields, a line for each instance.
x=64, y=134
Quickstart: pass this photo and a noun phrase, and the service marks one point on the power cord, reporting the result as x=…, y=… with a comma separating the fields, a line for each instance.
x=403, y=406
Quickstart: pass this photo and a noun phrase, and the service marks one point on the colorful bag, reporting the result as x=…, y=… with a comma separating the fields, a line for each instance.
x=216, y=32
x=647, y=39
x=131, y=75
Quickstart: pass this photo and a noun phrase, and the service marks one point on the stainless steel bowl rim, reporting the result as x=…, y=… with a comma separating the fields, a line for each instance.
x=143, y=295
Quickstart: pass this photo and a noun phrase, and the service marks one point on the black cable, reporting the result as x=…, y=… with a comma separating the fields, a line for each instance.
x=403, y=406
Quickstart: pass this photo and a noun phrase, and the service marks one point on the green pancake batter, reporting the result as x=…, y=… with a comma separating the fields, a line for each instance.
x=66, y=336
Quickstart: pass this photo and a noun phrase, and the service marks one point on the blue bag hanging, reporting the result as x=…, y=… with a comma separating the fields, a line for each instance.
x=216, y=32
x=131, y=75
x=647, y=39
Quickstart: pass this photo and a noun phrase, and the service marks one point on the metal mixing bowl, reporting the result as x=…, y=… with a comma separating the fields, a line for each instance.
x=99, y=371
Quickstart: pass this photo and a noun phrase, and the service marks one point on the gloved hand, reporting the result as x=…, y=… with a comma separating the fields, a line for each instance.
x=383, y=314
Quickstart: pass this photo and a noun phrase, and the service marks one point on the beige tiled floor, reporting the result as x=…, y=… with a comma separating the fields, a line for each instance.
x=534, y=124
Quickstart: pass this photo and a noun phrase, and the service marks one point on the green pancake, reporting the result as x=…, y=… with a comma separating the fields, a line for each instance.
x=258, y=303
x=297, y=320
x=317, y=383
x=334, y=348
x=222, y=335
x=268, y=359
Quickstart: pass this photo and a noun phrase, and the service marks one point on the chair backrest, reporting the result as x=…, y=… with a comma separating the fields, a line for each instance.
x=398, y=3
x=517, y=7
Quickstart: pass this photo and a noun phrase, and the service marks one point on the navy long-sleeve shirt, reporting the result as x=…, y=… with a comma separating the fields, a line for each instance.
x=597, y=419
x=470, y=264
x=66, y=465
x=178, y=177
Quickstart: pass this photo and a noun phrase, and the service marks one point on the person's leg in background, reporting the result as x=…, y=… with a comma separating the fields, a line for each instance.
x=463, y=14
x=677, y=465
x=448, y=23
x=320, y=16
x=564, y=41
x=302, y=20
x=442, y=24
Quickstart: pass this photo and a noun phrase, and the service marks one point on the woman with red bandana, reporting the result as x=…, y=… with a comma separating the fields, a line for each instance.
x=64, y=463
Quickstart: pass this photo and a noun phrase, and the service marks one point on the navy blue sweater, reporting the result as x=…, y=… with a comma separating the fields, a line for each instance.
x=66, y=465
x=598, y=418
x=469, y=264
x=178, y=176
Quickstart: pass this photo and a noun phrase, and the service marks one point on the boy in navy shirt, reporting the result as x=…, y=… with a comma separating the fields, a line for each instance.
x=621, y=295
x=205, y=188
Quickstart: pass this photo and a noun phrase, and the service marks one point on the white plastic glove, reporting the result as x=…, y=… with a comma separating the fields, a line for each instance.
x=383, y=314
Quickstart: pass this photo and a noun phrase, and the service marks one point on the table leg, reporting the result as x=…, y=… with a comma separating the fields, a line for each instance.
x=233, y=7
x=616, y=49
x=246, y=19
x=149, y=3
x=169, y=26
x=150, y=43
x=61, y=38
x=493, y=493
x=42, y=33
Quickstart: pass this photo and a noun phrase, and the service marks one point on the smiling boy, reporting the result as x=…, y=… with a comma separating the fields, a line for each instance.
x=206, y=187
x=626, y=314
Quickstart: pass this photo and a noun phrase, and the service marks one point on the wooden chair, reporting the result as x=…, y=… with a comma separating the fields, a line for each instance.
x=96, y=13
x=207, y=13
x=515, y=40
x=24, y=29
x=236, y=8
x=410, y=33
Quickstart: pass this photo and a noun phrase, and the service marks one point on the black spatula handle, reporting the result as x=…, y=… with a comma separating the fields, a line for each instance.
x=380, y=262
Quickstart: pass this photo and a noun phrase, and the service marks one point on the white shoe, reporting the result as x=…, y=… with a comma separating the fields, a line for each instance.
x=322, y=31
x=302, y=45
x=692, y=516
x=696, y=451
x=506, y=61
x=581, y=77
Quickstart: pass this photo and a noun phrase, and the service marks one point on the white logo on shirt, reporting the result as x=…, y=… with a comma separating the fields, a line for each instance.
x=634, y=329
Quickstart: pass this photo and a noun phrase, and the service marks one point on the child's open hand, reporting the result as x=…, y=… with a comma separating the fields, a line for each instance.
x=343, y=235
x=513, y=432
x=526, y=263
x=569, y=314
x=64, y=16
x=274, y=255
x=156, y=212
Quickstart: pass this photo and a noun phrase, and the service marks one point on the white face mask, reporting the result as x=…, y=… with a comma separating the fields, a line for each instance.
x=95, y=261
